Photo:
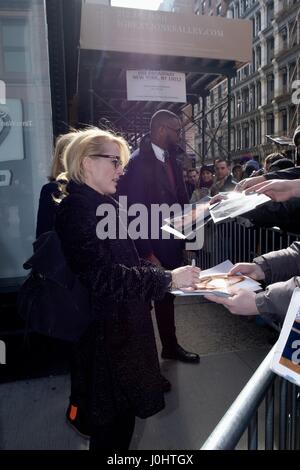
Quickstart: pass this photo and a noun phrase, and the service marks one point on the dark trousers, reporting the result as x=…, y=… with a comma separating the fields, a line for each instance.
x=164, y=312
x=79, y=375
x=114, y=436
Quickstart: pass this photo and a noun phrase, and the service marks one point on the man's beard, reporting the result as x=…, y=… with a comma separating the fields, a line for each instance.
x=171, y=147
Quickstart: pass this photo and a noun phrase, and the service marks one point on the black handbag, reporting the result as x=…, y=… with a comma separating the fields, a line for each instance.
x=52, y=301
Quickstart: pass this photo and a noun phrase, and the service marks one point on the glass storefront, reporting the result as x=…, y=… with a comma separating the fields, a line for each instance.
x=25, y=129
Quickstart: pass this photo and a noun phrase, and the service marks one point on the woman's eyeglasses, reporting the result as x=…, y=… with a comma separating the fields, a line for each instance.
x=116, y=161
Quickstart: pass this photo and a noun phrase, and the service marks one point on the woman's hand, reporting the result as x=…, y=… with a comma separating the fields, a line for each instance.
x=185, y=277
x=252, y=270
x=242, y=302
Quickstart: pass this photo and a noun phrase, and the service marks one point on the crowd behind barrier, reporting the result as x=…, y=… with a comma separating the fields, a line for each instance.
x=240, y=241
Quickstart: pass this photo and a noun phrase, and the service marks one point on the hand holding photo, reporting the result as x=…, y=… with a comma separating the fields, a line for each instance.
x=218, y=282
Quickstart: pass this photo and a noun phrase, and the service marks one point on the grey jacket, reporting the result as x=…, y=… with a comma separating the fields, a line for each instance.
x=282, y=272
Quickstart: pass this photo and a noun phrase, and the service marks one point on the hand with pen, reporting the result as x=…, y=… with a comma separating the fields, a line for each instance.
x=186, y=277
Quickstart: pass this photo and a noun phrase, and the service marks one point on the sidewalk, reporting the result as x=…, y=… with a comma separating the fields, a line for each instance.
x=32, y=412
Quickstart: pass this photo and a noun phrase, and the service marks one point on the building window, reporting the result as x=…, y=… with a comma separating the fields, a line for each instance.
x=270, y=49
x=246, y=136
x=270, y=12
x=253, y=134
x=258, y=93
x=230, y=13
x=233, y=106
x=245, y=6
x=253, y=26
x=270, y=123
x=283, y=38
x=233, y=136
x=284, y=84
x=258, y=133
x=270, y=87
x=252, y=98
x=238, y=138
x=292, y=110
x=283, y=115
x=258, y=23
x=245, y=99
x=15, y=41
x=258, y=57
x=238, y=105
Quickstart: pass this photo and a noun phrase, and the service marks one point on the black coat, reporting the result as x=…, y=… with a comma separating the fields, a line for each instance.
x=119, y=357
x=284, y=215
x=146, y=182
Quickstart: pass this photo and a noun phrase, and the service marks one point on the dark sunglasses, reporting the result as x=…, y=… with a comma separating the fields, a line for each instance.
x=116, y=161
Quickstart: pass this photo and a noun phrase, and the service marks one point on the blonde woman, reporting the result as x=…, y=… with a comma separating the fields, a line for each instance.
x=119, y=364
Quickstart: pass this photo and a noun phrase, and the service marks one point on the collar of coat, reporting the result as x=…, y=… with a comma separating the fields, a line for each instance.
x=146, y=150
x=92, y=194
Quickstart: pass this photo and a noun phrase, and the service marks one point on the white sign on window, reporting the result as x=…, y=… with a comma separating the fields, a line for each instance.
x=152, y=85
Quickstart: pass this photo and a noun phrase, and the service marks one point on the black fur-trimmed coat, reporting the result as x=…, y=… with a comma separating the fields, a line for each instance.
x=119, y=361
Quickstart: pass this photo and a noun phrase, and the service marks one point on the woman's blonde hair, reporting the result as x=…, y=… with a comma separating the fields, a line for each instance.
x=86, y=142
x=60, y=144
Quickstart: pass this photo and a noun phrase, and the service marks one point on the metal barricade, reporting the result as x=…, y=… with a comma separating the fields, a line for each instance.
x=240, y=241
x=280, y=427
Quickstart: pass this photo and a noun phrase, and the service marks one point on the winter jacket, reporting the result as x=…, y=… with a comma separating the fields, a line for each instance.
x=118, y=353
x=282, y=274
x=146, y=181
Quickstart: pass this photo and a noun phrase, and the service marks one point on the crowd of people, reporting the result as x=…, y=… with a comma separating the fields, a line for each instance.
x=222, y=176
x=115, y=372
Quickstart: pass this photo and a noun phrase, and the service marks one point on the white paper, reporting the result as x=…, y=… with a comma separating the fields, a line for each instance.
x=156, y=85
x=236, y=204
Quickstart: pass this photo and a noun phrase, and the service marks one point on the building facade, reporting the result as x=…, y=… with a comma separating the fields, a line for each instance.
x=263, y=95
